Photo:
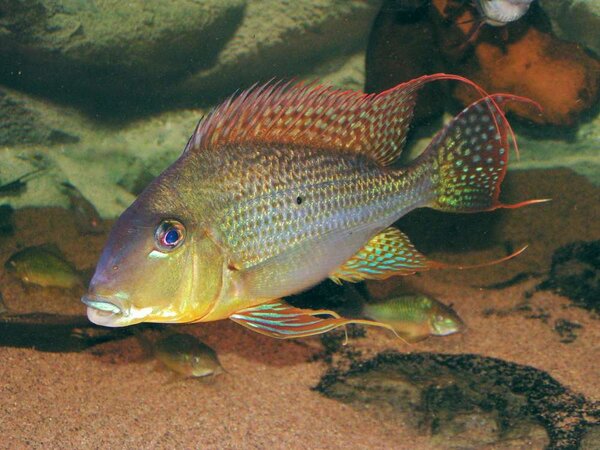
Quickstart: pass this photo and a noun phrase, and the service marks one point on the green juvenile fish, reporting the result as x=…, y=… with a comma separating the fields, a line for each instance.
x=45, y=266
x=186, y=355
x=282, y=187
x=415, y=317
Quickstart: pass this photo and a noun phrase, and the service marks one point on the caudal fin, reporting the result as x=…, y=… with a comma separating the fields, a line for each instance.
x=470, y=157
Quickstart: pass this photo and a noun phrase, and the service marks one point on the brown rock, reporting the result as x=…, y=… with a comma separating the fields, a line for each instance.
x=530, y=62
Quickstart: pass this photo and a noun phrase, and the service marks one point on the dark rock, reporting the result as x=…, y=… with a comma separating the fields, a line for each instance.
x=566, y=330
x=402, y=47
x=466, y=401
x=575, y=273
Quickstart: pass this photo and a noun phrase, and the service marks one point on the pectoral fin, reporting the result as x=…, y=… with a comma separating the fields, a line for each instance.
x=282, y=321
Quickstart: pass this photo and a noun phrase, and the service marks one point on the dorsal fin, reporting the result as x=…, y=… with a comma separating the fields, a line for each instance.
x=315, y=115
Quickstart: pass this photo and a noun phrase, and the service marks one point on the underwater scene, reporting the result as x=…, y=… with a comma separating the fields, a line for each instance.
x=312, y=224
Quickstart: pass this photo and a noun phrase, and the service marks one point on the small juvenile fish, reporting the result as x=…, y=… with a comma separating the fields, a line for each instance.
x=18, y=185
x=87, y=219
x=415, y=317
x=186, y=355
x=286, y=185
x=45, y=266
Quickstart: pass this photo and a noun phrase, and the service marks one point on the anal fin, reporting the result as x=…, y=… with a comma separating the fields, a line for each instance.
x=387, y=254
x=282, y=321
x=390, y=253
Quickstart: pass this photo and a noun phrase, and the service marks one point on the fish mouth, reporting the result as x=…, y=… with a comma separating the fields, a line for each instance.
x=109, y=312
x=101, y=305
x=102, y=311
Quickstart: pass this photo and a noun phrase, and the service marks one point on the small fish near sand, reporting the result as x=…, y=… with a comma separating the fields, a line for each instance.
x=87, y=219
x=187, y=356
x=415, y=317
x=44, y=266
x=283, y=186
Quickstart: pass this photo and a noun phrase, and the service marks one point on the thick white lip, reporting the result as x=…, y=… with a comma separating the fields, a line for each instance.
x=101, y=304
x=106, y=312
x=104, y=318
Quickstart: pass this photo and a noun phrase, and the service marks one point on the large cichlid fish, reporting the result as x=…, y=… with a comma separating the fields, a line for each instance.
x=284, y=186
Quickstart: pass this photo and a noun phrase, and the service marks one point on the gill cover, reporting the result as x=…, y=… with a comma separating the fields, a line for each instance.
x=156, y=267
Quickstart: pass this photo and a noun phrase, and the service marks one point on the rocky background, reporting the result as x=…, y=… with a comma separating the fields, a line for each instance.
x=104, y=94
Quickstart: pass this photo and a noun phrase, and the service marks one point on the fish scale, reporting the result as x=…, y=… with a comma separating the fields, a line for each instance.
x=337, y=192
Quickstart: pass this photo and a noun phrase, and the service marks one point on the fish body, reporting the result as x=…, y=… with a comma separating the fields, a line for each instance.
x=44, y=266
x=415, y=317
x=187, y=356
x=282, y=187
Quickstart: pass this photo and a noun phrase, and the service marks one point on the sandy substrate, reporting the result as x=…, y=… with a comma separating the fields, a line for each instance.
x=113, y=396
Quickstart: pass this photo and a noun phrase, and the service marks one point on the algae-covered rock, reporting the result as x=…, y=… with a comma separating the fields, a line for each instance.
x=121, y=50
x=25, y=121
x=577, y=150
x=283, y=39
x=576, y=20
x=468, y=401
x=137, y=55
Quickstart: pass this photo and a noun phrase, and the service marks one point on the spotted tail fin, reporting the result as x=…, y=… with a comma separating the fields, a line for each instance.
x=470, y=157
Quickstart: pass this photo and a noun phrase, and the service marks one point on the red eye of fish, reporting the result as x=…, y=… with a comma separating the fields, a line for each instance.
x=169, y=235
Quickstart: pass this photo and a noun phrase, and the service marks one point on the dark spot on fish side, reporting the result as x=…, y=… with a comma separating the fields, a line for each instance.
x=299, y=200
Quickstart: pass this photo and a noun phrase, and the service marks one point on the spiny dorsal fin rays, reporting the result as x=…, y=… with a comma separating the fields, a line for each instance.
x=315, y=115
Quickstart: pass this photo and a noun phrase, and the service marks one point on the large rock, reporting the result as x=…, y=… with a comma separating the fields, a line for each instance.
x=576, y=20
x=25, y=121
x=467, y=401
x=283, y=39
x=134, y=55
x=578, y=150
x=108, y=50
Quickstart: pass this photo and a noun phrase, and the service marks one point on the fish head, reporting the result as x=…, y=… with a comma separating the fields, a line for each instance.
x=444, y=321
x=157, y=265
